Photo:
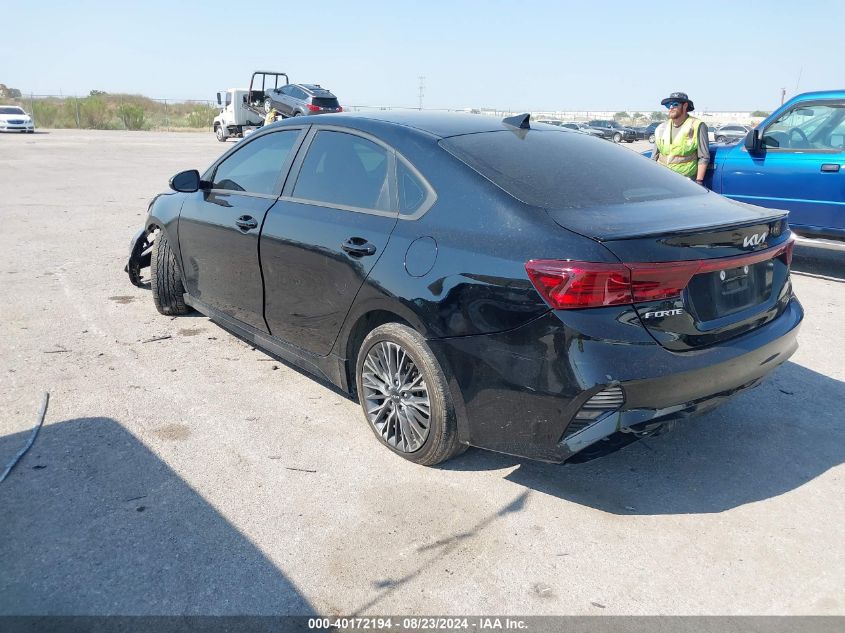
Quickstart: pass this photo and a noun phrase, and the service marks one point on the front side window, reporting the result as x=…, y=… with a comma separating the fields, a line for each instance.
x=257, y=166
x=346, y=170
x=807, y=127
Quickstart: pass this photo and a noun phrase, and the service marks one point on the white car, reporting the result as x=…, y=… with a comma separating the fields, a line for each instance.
x=14, y=118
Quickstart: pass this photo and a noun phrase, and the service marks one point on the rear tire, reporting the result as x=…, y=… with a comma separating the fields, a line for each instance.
x=418, y=421
x=720, y=139
x=651, y=138
x=167, y=287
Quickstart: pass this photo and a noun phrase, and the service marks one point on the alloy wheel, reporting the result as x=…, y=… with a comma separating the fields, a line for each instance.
x=396, y=397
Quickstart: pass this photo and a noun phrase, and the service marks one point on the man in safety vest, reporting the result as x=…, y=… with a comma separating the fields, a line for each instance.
x=681, y=142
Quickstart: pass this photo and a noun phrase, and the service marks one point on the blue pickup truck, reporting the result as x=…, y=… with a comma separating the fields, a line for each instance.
x=793, y=160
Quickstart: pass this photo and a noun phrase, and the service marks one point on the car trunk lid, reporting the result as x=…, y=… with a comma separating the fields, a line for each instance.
x=729, y=263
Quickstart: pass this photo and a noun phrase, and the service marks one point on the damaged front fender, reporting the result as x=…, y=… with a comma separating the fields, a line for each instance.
x=140, y=249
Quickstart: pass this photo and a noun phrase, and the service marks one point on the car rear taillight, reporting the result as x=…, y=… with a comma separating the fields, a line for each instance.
x=313, y=108
x=653, y=282
x=568, y=285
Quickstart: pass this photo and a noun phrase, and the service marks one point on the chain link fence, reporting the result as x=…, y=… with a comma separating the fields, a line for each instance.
x=101, y=111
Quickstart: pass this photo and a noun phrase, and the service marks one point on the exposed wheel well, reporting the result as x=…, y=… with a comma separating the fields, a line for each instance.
x=365, y=324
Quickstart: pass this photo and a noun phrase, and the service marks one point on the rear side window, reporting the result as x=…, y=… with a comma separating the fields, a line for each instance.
x=346, y=170
x=558, y=170
x=257, y=166
x=412, y=192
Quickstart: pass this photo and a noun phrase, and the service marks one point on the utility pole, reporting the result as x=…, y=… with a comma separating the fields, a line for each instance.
x=422, y=89
x=782, y=95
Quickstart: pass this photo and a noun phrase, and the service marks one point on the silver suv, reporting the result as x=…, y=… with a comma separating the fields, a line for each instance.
x=299, y=99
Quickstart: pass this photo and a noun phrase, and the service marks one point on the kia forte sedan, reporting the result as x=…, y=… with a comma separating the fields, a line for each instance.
x=475, y=282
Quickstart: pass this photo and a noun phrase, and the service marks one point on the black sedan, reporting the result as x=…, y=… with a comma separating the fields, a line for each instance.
x=647, y=133
x=473, y=281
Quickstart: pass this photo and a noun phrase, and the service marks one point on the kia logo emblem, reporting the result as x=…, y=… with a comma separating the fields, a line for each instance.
x=754, y=240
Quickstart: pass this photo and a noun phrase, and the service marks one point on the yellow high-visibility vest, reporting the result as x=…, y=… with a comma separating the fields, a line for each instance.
x=679, y=154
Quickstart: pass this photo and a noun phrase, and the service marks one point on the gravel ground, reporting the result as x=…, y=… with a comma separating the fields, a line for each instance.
x=196, y=475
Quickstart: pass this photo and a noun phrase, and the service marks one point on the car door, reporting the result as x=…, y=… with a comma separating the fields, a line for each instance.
x=325, y=234
x=285, y=101
x=219, y=226
x=801, y=167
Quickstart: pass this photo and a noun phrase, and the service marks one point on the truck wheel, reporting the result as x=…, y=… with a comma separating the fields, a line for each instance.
x=617, y=138
x=221, y=133
x=268, y=105
x=297, y=113
x=405, y=397
x=166, y=283
x=720, y=139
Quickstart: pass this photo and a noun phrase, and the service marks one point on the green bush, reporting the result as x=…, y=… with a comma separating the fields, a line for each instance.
x=760, y=113
x=94, y=113
x=46, y=114
x=201, y=117
x=131, y=115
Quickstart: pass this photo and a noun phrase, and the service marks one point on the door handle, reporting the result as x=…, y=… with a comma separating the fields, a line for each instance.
x=358, y=247
x=830, y=167
x=246, y=222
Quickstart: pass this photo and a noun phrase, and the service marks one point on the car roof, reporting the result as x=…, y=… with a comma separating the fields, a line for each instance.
x=440, y=124
x=315, y=89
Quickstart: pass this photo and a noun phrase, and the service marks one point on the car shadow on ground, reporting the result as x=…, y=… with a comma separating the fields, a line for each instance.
x=827, y=260
x=95, y=524
x=759, y=445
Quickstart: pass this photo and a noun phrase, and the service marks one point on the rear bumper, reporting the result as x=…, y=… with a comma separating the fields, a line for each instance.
x=518, y=392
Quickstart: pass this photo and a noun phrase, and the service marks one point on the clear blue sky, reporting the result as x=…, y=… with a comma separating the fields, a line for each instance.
x=510, y=55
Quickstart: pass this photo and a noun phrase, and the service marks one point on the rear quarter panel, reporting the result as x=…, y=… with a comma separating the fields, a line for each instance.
x=476, y=283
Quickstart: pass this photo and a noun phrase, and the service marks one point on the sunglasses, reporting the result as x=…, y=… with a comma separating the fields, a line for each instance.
x=673, y=104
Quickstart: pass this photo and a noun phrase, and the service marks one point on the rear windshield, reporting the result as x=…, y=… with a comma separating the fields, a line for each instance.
x=10, y=110
x=324, y=102
x=566, y=170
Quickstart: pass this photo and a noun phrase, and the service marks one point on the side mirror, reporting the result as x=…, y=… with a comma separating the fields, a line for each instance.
x=186, y=181
x=752, y=142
